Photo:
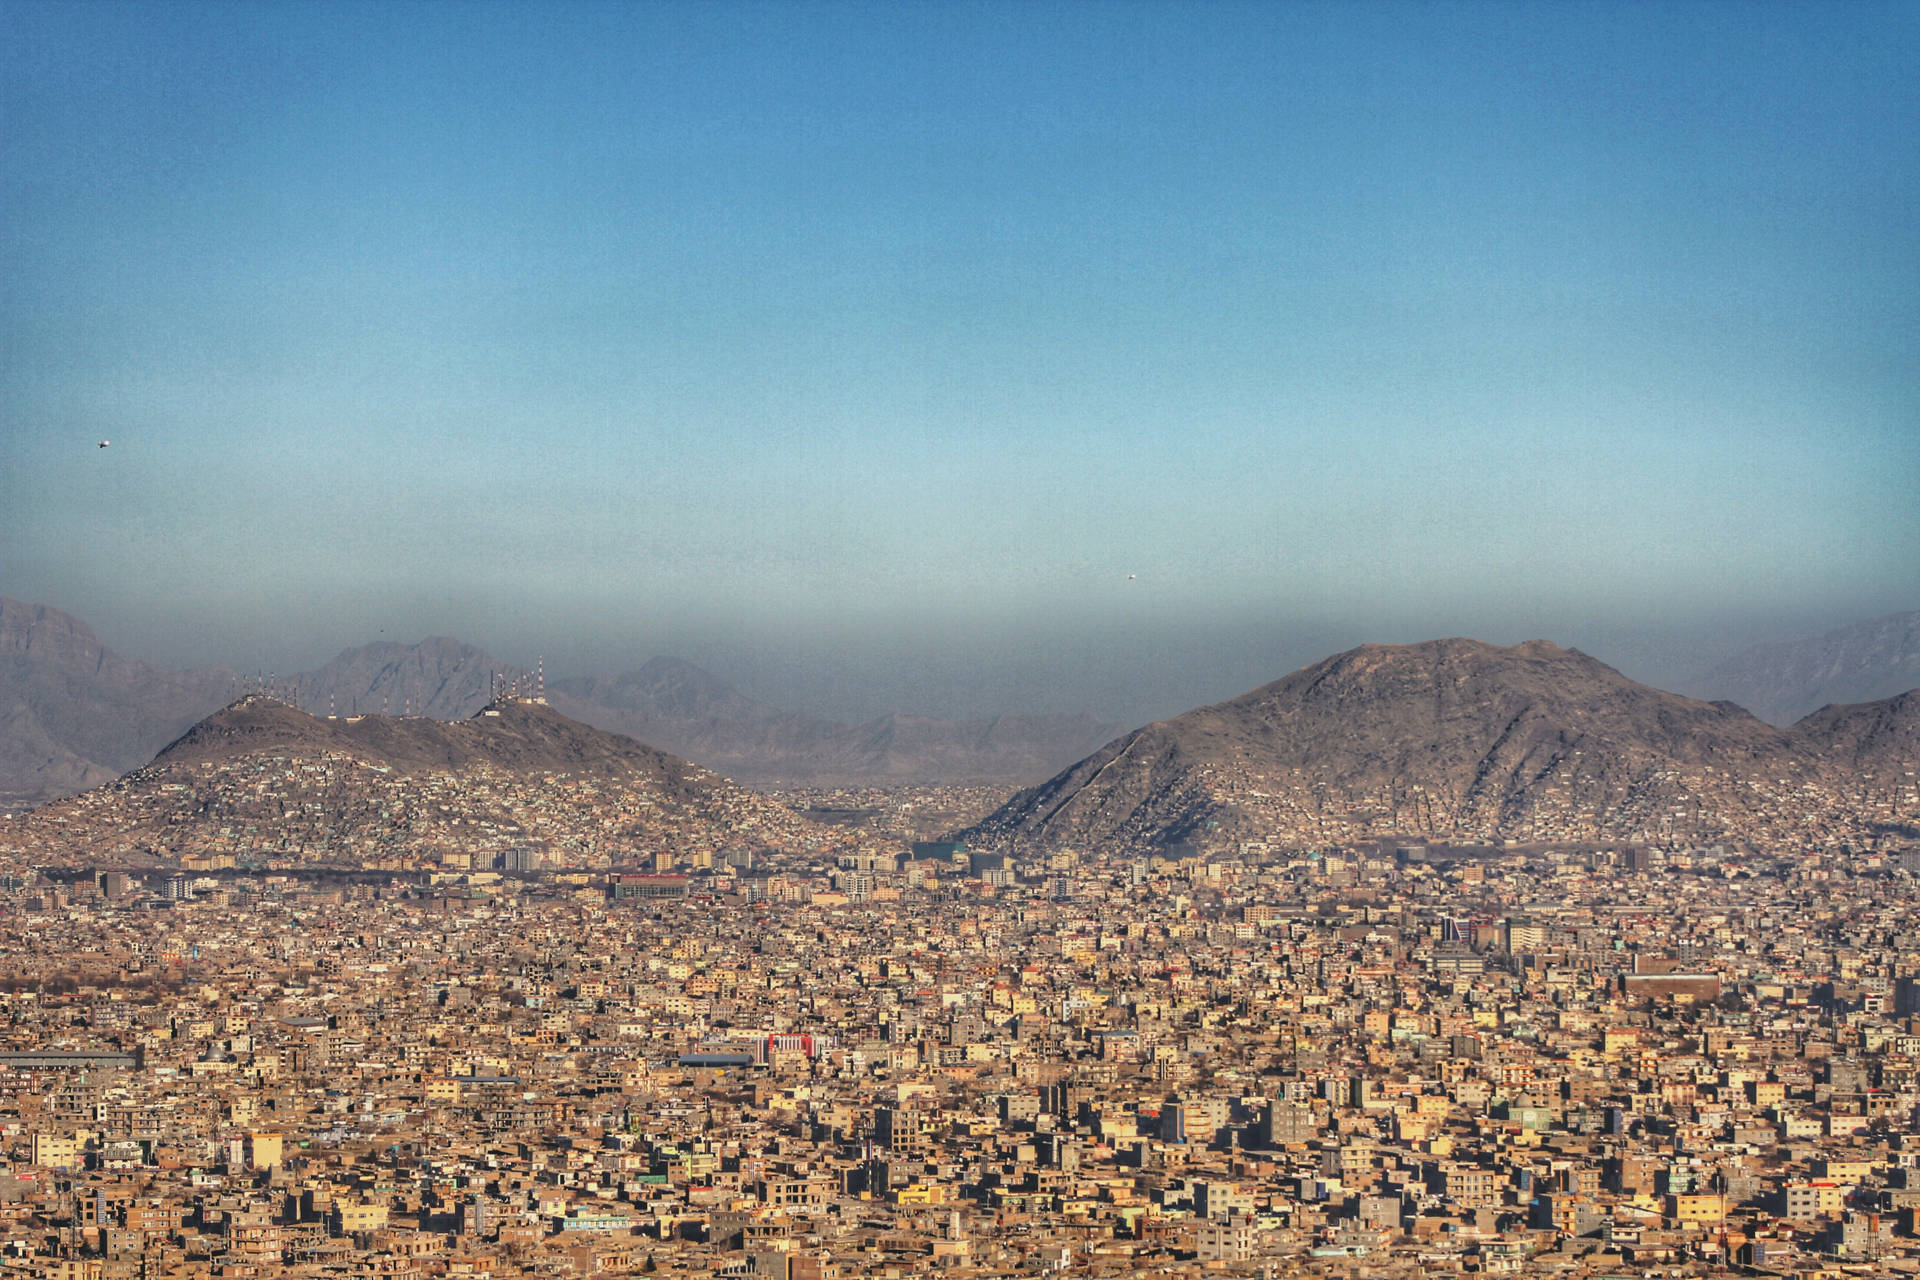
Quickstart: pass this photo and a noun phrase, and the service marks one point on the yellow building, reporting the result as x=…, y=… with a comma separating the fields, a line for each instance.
x=263, y=1150
x=357, y=1218
x=55, y=1151
x=1845, y=1172
x=1696, y=1210
x=1414, y=1128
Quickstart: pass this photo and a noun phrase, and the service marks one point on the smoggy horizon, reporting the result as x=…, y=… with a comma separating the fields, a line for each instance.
x=959, y=359
x=1129, y=683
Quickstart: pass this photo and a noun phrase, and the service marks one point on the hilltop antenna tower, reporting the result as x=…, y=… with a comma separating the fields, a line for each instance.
x=540, y=679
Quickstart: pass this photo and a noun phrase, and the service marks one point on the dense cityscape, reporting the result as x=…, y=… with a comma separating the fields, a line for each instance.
x=976, y=640
x=852, y=1049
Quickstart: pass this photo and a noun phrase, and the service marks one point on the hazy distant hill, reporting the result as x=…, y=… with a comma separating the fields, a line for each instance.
x=262, y=780
x=998, y=749
x=691, y=713
x=437, y=677
x=1460, y=739
x=694, y=713
x=679, y=707
x=1780, y=683
x=74, y=714
x=671, y=688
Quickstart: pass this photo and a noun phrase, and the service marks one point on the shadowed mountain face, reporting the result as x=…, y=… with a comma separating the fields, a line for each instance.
x=1781, y=683
x=1867, y=735
x=74, y=714
x=1459, y=739
x=261, y=780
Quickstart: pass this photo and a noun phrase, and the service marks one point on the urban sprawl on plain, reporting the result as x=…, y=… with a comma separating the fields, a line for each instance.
x=850, y=1050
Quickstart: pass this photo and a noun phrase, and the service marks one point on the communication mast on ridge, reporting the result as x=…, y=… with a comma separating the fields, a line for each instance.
x=540, y=680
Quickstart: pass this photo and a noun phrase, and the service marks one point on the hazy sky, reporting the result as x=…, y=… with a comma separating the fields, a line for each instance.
x=956, y=357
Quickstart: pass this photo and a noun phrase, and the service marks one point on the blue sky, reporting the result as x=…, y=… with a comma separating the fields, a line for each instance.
x=862, y=352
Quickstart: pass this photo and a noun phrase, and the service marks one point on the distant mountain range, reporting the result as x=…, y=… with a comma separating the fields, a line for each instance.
x=264, y=782
x=1452, y=740
x=439, y=678
x=676, y=706
x=1460, y=740
x=1782, y=683
x=73, y=714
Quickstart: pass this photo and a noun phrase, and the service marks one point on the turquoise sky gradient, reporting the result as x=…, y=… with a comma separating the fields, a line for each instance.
x=861, y=352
